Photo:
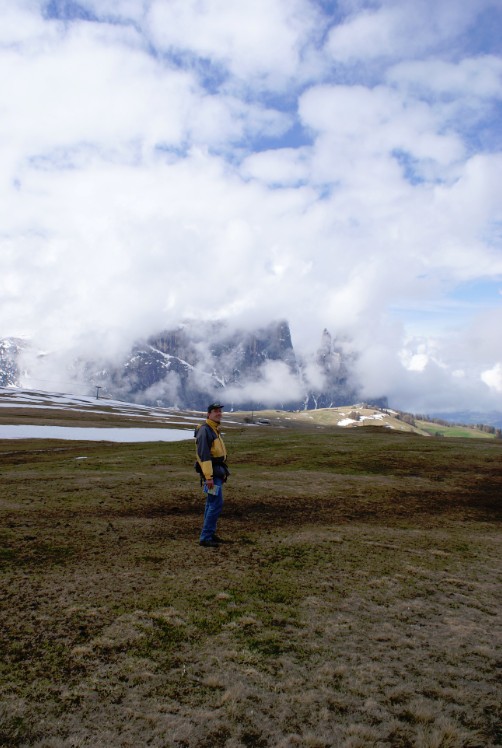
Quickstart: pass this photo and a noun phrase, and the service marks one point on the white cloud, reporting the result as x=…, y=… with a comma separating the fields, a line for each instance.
x=96, y=85
x=262, y=40
x=369, y=34
x=21, y=25
x=417, y=362
x=285, y=166
x=493, y=377
x=400, y=28
x=471, y=78
x=88, y=87
x=276, y=385
x=358, y=123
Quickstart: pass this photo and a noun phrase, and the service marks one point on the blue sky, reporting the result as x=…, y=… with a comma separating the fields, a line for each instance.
x=338, y=164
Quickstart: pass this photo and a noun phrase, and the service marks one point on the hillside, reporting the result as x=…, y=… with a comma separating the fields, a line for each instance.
x=36, y=408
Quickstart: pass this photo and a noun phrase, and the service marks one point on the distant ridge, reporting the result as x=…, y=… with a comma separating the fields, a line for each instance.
x=491, y=418
x=190, y=365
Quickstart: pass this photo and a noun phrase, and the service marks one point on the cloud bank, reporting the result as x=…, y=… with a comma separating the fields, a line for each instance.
x=166, y=160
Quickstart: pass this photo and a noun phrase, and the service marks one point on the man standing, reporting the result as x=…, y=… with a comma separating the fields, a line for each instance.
x=211, y=461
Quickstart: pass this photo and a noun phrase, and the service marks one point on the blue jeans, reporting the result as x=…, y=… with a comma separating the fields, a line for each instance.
x=214, y=505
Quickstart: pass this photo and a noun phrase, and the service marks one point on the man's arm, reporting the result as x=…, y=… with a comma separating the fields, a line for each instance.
x=204, y=442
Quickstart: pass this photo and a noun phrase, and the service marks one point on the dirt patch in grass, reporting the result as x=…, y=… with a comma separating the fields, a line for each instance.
x=358, y=604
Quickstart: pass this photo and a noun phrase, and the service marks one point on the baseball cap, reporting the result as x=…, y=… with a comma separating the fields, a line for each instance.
x=214, y=406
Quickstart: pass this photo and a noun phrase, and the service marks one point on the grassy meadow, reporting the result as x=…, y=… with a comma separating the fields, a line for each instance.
x=358, y=603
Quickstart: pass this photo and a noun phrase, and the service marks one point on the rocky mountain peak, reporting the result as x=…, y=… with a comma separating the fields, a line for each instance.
x=188, y=365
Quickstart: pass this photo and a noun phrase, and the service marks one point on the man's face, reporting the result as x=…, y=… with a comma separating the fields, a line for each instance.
x=215, y=414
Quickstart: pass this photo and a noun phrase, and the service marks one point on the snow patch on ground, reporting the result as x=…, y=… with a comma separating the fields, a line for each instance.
x=350, y=421
x=11, y=397
x=75, y=433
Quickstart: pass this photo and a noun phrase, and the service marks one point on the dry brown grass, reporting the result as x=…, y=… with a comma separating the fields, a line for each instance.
x=358, y=605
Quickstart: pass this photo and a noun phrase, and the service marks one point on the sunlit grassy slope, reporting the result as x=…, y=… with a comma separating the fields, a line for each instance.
x=465, y=432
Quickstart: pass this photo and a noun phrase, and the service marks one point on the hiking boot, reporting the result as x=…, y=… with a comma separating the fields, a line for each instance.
x=209, y=543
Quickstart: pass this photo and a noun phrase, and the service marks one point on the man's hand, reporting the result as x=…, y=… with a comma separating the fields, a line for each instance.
x=209, y=482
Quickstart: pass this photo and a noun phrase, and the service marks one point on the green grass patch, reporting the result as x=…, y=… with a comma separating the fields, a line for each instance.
x=462, y=432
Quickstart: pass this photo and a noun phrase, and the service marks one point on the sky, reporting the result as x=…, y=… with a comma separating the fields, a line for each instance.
x=335, y=164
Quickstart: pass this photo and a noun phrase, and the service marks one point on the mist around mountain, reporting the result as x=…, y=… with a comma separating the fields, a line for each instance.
x=194, y=363
x=247, y=369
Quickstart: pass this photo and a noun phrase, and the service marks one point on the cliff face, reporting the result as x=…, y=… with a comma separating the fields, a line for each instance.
x=338, y=382
x=190, y=365
x=193, y=364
